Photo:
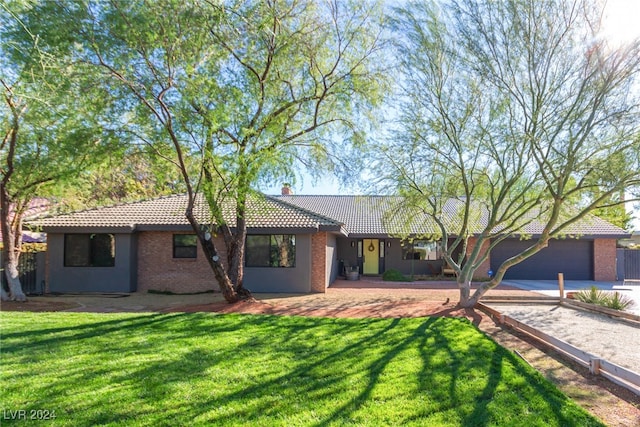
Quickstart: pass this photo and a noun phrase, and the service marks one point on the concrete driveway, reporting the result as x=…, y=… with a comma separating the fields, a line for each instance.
x=550, y=288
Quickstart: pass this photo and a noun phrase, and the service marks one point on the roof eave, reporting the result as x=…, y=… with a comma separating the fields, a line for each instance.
x=282, y=230
x=585, y=236
x=128, y=229
x=333, y=228
x=164, y=227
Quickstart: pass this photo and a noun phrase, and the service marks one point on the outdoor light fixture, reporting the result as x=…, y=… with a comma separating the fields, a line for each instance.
x=389, y=244
x=353, y=244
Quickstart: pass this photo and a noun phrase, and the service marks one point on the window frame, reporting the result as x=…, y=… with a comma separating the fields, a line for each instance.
x=91, y=249
x=193, y=247
x=273, y=251
x=410, y=248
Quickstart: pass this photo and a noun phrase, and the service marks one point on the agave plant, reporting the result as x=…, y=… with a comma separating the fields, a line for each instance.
x=593, y=295
x=618, y=301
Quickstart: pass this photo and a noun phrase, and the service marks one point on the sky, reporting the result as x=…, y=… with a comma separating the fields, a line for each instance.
x=621, y=25
x=621, y=20
x=325, y=186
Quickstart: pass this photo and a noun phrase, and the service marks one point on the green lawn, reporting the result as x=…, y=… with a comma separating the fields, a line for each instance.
x=205, y=369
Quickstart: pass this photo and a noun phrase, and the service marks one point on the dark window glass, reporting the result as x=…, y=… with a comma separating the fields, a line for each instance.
x=276, y=250
x=283, y=250
x=89, y=250
x=185, y=246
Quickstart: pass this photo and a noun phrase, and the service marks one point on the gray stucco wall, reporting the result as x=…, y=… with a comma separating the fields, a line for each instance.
x=119, y=278
x=333, y=266
x=346, y=253
x=272, y=279
x=133, y=261
x=393, y=259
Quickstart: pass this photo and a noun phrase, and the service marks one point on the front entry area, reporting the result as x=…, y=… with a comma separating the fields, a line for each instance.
x=370, y=255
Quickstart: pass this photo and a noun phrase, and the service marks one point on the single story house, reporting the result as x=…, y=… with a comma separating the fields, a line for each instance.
x=295, y=243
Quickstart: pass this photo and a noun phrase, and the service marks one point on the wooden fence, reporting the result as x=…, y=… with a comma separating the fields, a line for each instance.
x=31, y=268
x=628, y=264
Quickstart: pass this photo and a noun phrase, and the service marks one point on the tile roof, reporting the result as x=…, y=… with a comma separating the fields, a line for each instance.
x=367, y=215
x=263, y=212
x=384, y=215
x=590, y=225
x=356, y=216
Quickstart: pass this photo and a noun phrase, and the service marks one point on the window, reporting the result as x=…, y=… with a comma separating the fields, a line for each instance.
x=271, y=250
x=185, y=246
x=89, y=250
x=420, y=249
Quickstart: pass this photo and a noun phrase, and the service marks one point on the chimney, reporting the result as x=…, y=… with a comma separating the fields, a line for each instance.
x=286, y=189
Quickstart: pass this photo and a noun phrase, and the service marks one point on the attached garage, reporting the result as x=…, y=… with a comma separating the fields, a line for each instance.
x=573, y=257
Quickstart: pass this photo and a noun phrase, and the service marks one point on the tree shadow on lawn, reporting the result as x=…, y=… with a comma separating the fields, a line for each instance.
x=84, y=330
x=347, y=361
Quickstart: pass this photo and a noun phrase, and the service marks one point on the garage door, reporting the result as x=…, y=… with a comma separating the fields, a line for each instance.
x=572, y=257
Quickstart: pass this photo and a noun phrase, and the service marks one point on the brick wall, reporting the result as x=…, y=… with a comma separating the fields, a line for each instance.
x=481, y=273
x=158, y=270
x=319, y=262
x=604, y=260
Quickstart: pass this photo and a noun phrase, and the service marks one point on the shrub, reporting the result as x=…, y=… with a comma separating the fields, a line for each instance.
x=593, y=295
x=393, y=275
x=618, y=301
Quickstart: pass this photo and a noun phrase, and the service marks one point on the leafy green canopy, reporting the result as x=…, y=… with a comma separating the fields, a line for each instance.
x=50, y=114
x=239, y=92
x=50, y=127
x=245, y=89
x=518, y=111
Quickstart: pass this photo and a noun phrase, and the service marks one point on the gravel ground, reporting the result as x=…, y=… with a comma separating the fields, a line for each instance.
x=613, y=340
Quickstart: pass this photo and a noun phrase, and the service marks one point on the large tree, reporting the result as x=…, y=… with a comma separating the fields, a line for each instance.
x=48, y=125
x=125, y=174
x=240, y=91
x=513, y=112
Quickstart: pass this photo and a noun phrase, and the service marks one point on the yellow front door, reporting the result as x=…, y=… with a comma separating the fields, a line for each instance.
x=371, y=253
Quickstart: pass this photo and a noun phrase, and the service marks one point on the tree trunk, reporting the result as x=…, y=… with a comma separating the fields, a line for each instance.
x=542, y=242
x=229, y=292
x=469, y=301
x=479, y=293
x=236, y=265
x=226, y=287
x=235, y=243
x=236, y=258
x=465, y=292
x=13, y=278
x=12, y=240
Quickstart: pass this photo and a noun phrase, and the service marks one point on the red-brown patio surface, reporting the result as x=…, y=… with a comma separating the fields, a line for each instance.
x=368, y=297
